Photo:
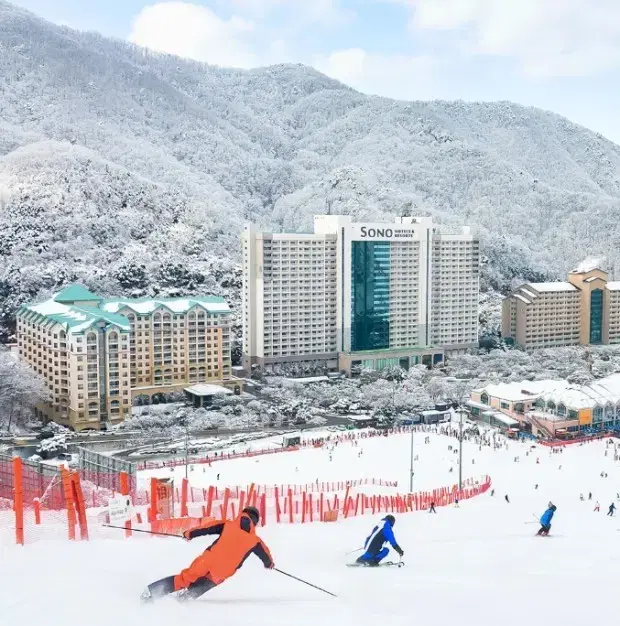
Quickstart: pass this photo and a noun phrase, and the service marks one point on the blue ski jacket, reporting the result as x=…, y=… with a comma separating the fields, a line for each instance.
x=545, y=520
x=380, y=535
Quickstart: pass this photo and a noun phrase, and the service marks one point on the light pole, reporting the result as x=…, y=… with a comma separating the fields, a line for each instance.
x=460, y=449
x=411, y=464
x=186, y=450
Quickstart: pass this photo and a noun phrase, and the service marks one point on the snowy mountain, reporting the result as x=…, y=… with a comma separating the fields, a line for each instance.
x=133, y=172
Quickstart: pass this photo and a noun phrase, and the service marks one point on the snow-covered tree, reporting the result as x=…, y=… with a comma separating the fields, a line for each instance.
x=21, y=389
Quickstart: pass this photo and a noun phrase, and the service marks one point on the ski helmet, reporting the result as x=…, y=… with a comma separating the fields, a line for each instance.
x=390, y=519
x=253, y=513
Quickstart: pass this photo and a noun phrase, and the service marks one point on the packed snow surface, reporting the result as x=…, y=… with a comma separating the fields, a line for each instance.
x=479, y=564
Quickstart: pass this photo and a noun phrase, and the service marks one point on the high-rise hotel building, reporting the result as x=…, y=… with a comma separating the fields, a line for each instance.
x=585, y=310
x=97, y=355
x=359, y=294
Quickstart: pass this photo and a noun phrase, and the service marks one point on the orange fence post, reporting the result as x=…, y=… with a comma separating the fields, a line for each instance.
x=124, y=479
x=184, y=484
x=277, y=502
x=346, y=503
x=153, y=509
x=209, y=501
x=263, y=509
x=78, y=499
x=68, y=491
x=18, y=500
x=37, y=511
x=225, y=503
x=290, y=506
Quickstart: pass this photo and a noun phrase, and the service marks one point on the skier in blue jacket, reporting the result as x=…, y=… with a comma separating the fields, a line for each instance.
x=545, y=520
x=374, y=544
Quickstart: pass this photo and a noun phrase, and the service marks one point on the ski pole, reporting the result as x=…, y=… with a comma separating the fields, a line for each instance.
x=150, y=532
x=305, y=582
x=356, y=550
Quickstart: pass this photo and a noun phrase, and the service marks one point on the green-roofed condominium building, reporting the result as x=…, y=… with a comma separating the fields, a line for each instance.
x=97, y=355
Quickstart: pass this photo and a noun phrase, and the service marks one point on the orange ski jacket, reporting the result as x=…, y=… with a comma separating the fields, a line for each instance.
x=237, y=540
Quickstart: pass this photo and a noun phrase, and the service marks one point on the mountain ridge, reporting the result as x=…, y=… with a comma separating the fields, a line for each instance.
x=186, y=152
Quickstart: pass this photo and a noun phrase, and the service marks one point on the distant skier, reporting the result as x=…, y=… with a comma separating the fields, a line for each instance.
x=237, y=540
x=432, y=509
x=507, y=498
x=374, y=544
x=612, y=508
x=597, y=506
x=590, y=495
x=545, y=520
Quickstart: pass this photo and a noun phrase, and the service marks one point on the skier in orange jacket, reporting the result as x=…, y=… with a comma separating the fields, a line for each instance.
x=237, y=540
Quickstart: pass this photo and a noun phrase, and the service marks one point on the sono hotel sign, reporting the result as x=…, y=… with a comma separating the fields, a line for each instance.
x=385, y=232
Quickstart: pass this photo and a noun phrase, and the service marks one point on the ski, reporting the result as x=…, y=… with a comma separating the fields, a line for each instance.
x=386, y=564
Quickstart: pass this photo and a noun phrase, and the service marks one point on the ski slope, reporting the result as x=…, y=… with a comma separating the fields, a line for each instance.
x=478, y=564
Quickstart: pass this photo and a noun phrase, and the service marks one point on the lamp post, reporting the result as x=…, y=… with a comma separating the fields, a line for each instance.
x=460, y=449
x=186, y=450
x=411, y=464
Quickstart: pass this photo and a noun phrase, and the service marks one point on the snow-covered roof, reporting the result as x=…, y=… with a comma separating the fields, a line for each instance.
x=204, y=389
x=518, y=295
x=520, y=391
x=556, y=286
x=307, y=380
x=74, y=319
x=504, y=419
x=76, y=293
x=600, y=392
x=613, y=285
x=144, y=306
x=525, y=291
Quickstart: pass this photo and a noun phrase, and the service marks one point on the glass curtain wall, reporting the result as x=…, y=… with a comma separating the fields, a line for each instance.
x=370, y=297
x=596, y=316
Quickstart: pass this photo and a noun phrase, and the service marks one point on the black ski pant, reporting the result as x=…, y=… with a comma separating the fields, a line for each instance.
x=165, y=586
x=544, y=530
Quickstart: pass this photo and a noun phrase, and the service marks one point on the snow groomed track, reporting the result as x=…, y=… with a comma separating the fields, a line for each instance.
x=477, y=564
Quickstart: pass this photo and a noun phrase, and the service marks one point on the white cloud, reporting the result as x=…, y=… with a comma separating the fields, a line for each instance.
x=547, y=37
x=194, y=32
x=395, y=76
x=325, y=12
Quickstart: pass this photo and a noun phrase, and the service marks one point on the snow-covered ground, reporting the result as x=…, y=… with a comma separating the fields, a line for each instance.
x=475, y=565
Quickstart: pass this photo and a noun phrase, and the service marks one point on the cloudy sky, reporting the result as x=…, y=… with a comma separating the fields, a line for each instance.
x=561, y=55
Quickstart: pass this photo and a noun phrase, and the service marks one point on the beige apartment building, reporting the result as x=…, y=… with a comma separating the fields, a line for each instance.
x=98, y=355
x=585, y=310
x=359, y=295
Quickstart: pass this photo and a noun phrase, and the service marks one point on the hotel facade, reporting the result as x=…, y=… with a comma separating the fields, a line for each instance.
x=359, y=294
x=97, y=355
x=585, y=310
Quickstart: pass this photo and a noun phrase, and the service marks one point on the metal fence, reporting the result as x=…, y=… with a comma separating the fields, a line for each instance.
x=104, y=471
x=39, y=481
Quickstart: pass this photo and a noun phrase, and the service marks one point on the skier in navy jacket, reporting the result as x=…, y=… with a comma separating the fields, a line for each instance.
x=545, y=520
x=381, y=534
